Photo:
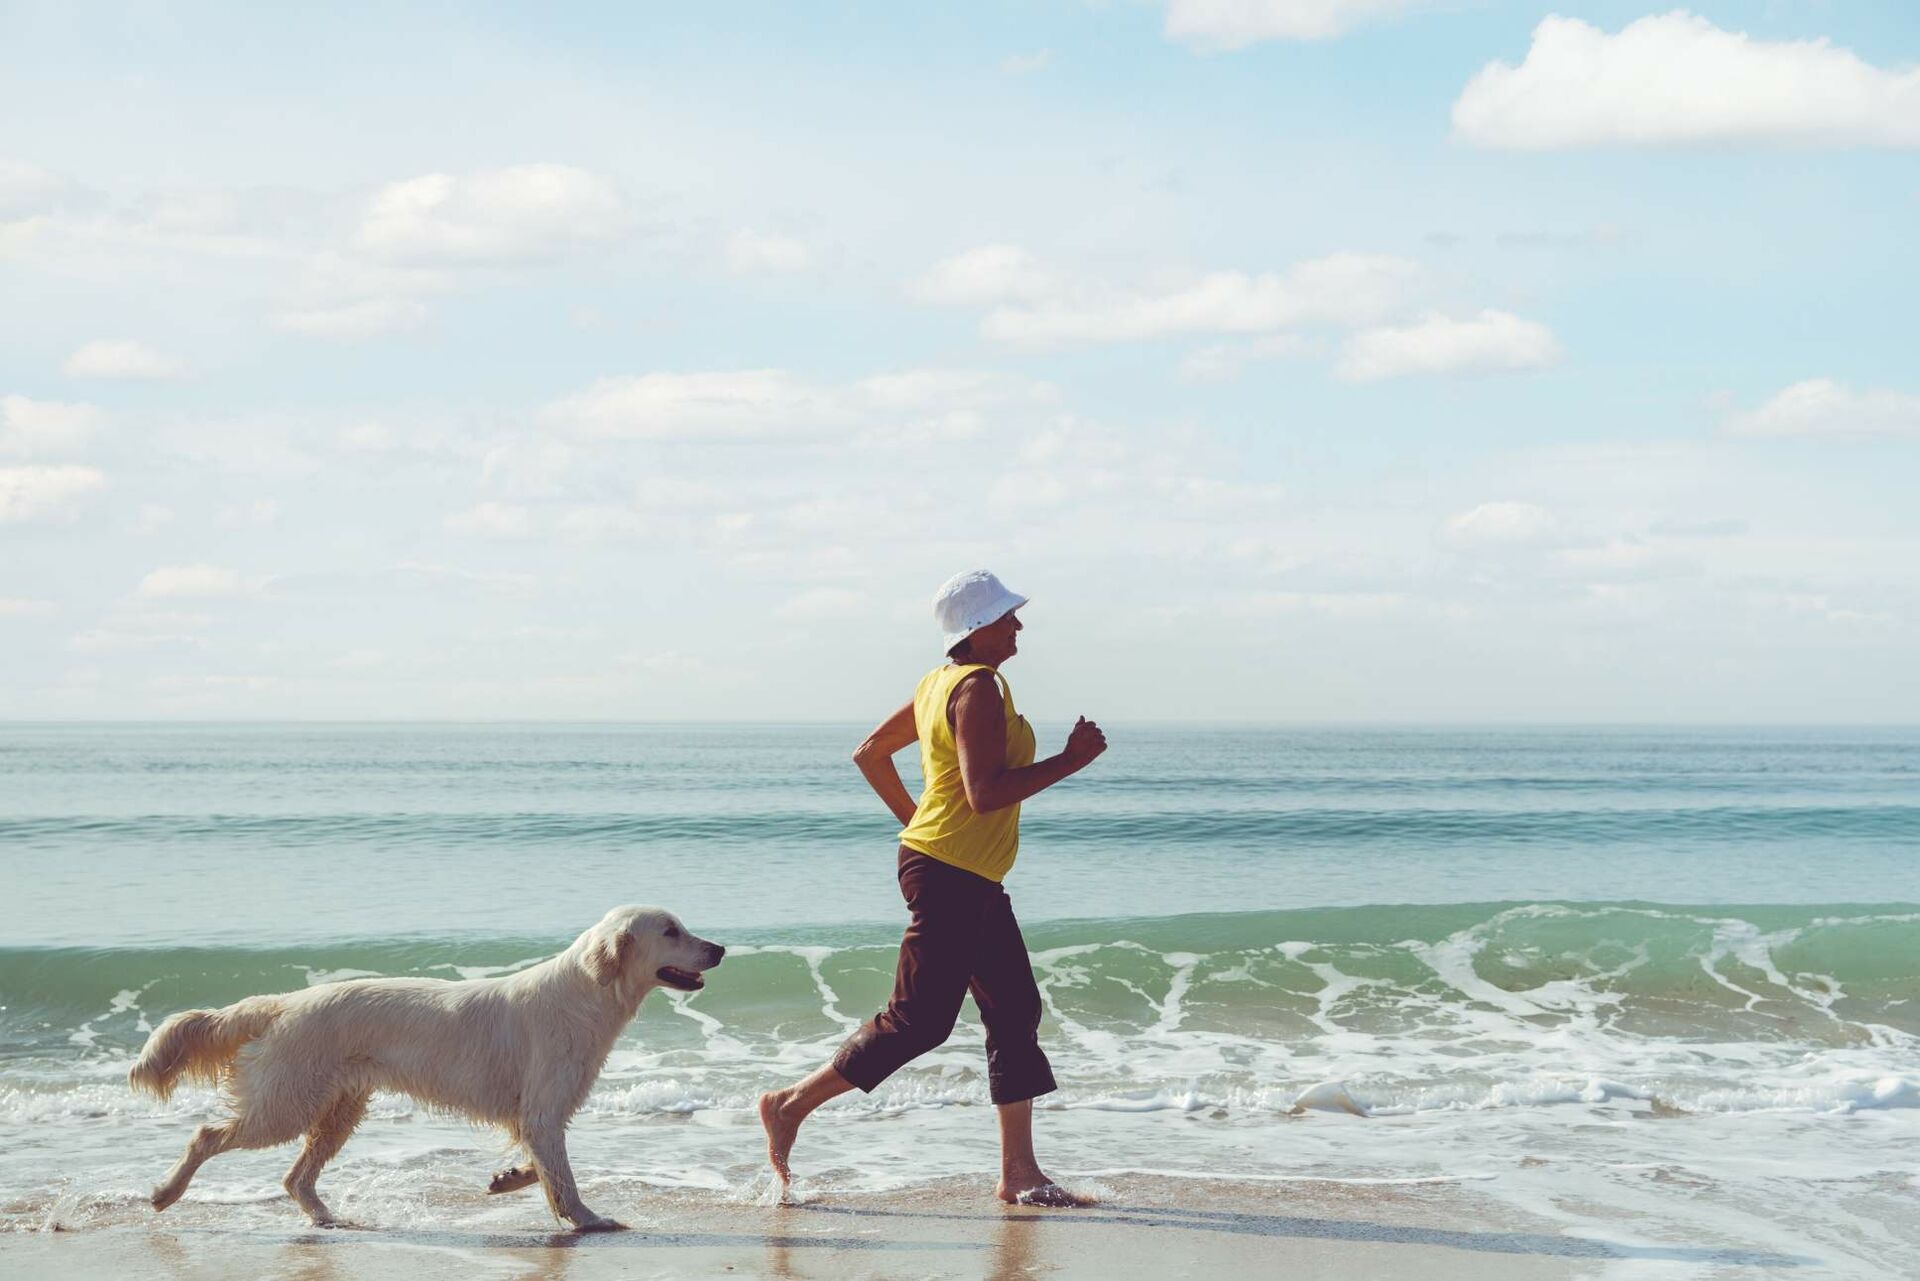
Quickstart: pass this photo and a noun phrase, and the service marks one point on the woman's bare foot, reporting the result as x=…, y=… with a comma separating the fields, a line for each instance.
x=780, y=1131
x=1031, y=1187
x=512, y=1179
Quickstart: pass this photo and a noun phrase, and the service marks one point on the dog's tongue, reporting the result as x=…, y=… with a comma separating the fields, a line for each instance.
x=676, y=977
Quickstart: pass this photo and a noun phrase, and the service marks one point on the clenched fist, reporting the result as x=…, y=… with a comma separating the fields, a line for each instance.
x=1085, y=742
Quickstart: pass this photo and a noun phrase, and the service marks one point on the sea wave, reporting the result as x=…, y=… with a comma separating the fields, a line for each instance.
x=1200, y=824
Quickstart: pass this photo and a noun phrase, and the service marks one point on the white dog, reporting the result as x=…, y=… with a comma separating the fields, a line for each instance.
x=520, y=1051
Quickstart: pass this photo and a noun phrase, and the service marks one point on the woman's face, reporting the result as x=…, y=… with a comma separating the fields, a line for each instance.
x=995, y=643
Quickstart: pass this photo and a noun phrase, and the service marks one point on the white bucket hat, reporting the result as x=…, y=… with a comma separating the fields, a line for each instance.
x=967, y=602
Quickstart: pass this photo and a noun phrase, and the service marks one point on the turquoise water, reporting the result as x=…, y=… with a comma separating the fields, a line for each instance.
x=1279, y=954
x=128, y=835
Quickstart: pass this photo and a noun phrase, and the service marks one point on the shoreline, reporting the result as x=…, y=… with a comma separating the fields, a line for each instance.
x=1145, y=1226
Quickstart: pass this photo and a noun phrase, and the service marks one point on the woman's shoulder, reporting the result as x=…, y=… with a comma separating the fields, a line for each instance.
x=953, y=678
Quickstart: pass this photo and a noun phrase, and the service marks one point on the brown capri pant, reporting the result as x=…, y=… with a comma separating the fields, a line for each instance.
x=962, y=938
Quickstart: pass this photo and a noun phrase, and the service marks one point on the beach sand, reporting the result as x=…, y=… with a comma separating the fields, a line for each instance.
x=1144, y=1227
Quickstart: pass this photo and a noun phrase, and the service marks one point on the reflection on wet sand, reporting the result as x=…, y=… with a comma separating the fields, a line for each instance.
x=1014, y=1243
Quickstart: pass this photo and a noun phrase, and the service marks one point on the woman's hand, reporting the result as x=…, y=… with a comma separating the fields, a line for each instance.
x=875, y=759
x=1084, y=743
x=980, y=725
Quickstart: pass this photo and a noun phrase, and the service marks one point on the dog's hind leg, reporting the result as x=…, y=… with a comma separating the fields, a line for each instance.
x=548, y=1143
x=324, y=1140
x=207, y=1142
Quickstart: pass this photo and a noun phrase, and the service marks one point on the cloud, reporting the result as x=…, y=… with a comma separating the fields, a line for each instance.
x=1235, y=24
x=120, y=360
x=985, y=274
x=43, y=428
x=260, y=512
x=31, y=493
x=1675, y=79
x=505, y=582
x=503, y=216
x=369, y=437
x=1821, y=407
x=740, y=403
x=100, y=640
x=1491, y=341
x=20, y=607
x=750, y=252
x=1026, y=64
x=1497, y=525
x=911, y=389
x=149, y=517
x=1224, y=361
x=1038, y=307
x=496, y=520
x=190, y=581
x=362, y=319
x=773, y=403
x=1620, y=560
x=27, y=189
x=820, y=603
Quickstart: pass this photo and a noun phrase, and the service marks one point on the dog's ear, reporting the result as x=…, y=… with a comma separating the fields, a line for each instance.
x=607, y=955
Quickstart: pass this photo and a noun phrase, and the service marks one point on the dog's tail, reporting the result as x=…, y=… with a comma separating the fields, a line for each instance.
x=200, y=1044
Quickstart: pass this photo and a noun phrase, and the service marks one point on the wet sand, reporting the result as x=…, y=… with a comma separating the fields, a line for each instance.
x=1145, y=1227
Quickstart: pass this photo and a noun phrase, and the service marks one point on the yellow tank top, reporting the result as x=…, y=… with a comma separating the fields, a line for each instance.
x=945, y=826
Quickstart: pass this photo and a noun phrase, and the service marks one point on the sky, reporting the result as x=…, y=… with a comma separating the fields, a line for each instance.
x=1316, y=361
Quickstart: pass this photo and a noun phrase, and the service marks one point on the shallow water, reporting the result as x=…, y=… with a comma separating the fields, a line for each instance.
x=1667, y=972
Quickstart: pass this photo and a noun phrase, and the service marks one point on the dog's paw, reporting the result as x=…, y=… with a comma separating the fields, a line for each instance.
x=512, y=1179
x=599, y=1223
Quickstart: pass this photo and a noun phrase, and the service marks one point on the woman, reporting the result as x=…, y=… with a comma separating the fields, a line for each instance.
x=976, y=758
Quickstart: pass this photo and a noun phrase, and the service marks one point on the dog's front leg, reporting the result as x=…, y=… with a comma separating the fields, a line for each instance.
x=548, y=1144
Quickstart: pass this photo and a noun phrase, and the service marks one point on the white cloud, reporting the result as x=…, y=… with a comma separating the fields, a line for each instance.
x=1491, y=341
x=188, y=581
x=260, y=512
x=986, y=274
x=528, y=466
x=604, y=521
x=30, y=493
x=1620, y=560
x=20, y=607
x=1235, y=24
x=42, y=428
x=504, y=582
x=1676, y=78
x=1823, y=407
x=107, y=640
x=1040, y=308
x=1497, y=524
x=362, y=319
x=911, y=389
x=496, y=520
x=368, y=437
x=749, y=252
x=520, y=214
x=1337, y=605
x=739, y=403
x=775, y=404
x=27, y=189
x=120, y=359
x=819, y=604
x=1026, y=64
x=1225, y=360
x=150, y=517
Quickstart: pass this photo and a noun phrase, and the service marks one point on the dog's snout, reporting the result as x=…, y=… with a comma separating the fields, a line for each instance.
x=715, y=954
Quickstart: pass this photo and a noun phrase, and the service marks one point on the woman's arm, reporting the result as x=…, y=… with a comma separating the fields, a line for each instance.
x=875, y=759
x=980, y=726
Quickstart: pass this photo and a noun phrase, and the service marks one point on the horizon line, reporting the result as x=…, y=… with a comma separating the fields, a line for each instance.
x=802, y=722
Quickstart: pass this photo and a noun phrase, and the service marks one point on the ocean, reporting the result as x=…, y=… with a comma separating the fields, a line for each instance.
x=1662, y=978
